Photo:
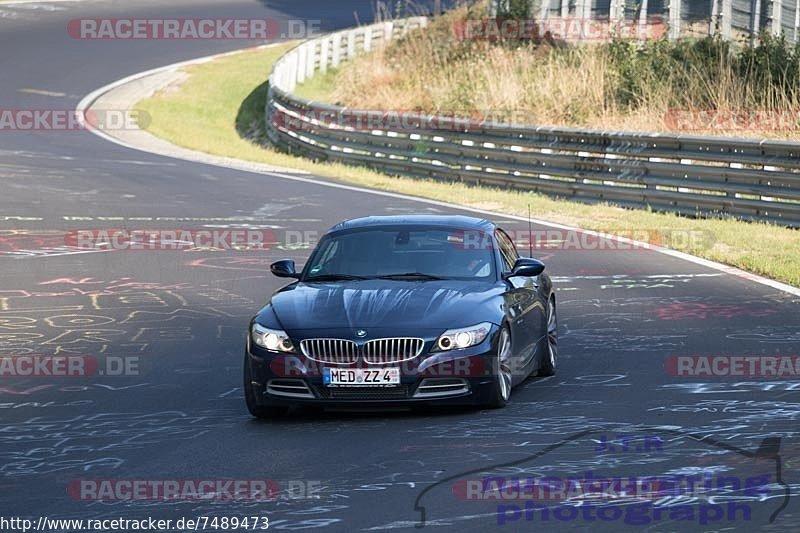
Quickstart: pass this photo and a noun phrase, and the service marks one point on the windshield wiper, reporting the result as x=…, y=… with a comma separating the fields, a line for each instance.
x=334, y=277
x=412, y=275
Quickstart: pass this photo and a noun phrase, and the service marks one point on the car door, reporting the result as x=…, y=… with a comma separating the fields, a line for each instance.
x=528, y=309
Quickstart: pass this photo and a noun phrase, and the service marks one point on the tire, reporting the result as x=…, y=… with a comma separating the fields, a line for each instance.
x=548, y=344
x=258, y=411
x=502, y=387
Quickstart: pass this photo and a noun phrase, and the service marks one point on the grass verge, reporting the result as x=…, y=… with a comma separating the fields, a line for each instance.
x=218, y=109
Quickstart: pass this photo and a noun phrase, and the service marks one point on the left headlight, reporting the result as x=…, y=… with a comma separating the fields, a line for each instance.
x=457, y=339
x=274, y=340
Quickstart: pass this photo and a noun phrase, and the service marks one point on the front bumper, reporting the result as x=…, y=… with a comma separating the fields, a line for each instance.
x=457, y=377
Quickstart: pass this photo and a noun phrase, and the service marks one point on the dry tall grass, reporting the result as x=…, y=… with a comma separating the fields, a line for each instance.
x=595, y=86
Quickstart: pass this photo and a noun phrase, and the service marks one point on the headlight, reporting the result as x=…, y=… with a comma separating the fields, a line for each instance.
x=457, y=339
x=273, y=340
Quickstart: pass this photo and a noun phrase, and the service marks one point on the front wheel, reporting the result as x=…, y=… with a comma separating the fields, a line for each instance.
x=258, y=411
x=502, y=371
x=549, y=343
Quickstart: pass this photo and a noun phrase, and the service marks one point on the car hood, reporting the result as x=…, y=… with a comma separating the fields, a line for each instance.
x=386, y=305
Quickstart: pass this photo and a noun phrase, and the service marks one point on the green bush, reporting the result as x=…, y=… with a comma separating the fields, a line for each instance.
x=514, y=9
x=772, y=69
x=691, y=72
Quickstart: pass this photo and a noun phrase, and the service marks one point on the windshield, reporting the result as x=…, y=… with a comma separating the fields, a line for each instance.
x=402, y=253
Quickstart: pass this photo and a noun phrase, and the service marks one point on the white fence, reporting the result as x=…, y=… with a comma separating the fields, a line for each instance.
x=732, y=19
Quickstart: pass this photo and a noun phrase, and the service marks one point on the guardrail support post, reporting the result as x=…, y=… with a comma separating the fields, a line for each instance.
x=336, y=56
x=776, y=21
x=616, y=10
x=323, y=55
x=727, y=19
x=716, y=17
x=351, y=44
x=544, y=13
x=674, y=19
x=583, y=10
x=755, y=20
x=310, y=59
x=721, y=12
x=796, y=18
x=643, y=22
x=292, y=72
x=302, y=50
x=368, y=40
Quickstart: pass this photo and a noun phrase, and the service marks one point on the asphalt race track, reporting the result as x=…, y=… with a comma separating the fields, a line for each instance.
x=182, y=318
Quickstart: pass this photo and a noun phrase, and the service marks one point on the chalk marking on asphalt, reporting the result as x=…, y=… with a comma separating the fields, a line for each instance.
x=90, y=98
x=13, y=2
x=40, y=91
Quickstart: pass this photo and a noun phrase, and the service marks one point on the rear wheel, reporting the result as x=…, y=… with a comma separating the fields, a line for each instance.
x=502, y=375
x=258, y=411
x=549, y=343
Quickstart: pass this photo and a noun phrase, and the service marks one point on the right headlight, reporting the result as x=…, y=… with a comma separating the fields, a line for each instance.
x=274, y=340
x=458, y=339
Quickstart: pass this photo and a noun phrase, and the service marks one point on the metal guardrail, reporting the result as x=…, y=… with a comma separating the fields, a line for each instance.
x=698, y=176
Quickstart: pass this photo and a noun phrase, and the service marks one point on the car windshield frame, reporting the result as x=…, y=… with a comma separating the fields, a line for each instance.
x=404, y=274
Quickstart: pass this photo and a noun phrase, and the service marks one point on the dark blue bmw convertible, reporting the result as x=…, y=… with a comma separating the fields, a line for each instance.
x=400, y=311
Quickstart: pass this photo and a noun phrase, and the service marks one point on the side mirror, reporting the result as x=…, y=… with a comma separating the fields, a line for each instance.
x=525, y=267
x=284, y=269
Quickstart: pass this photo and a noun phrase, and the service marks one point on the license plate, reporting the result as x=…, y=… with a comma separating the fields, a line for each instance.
x=360, y=377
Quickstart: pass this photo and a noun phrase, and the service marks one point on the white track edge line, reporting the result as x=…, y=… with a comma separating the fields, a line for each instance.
x=90, y=98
